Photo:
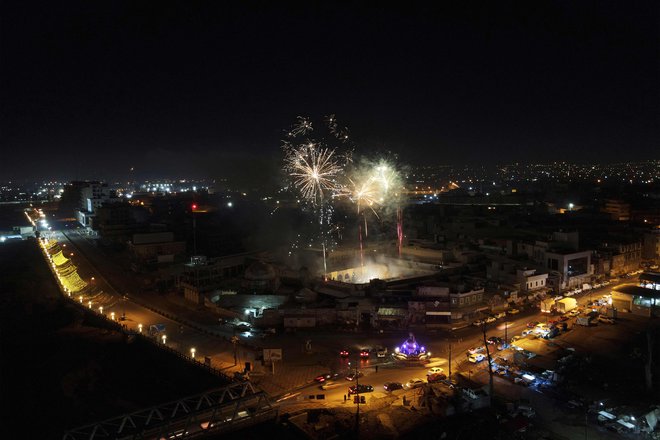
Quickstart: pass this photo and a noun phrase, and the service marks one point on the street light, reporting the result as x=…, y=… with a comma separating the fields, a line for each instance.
x=89, y=303
x=192, y=352
x=80, y=298
x=101, y=310
x=140, y=328
x=164, y=338
x=112, y=316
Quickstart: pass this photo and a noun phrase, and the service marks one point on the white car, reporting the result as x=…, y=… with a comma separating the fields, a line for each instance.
x=478, y=322
x=434, y=370
x=500, y=315
x=413, y=383
x=490, y=319
x=474, y=350
x=476, y=357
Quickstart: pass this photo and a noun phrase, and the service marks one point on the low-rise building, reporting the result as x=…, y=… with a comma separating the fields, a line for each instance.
x=640, y=299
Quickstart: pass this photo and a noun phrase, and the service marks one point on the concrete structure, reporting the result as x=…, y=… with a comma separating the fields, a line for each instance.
x=651, y=246
x=568, y=268
x=617, y=209
x=156, y=247
x=93, y=195
x=642, y=299
x=201, y=276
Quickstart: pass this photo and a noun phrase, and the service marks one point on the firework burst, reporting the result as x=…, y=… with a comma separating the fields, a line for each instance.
x=314, y=171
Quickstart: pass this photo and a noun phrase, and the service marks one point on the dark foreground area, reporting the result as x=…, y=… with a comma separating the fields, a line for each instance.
x=63, y=367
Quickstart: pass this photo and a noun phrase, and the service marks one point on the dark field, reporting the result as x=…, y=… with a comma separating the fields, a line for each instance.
x=63, y=367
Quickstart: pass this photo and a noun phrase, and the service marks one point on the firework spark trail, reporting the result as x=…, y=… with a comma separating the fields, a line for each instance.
x=313, y=170
x=301, y=127
x=399, y=229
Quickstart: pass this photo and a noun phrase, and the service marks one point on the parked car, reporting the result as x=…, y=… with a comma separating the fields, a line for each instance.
x=478, y=322
x=532, y=324
x=330, y=385
x=435, y=370
x=495, y=340
x=326, y=376
x=391, y=386
x=381, y=352
x=360, y=389
x=500, y=315
x=413, y=383
x=476, y=349
x=436, y=377
x=475, y=358
x=353, y=375
x=513, y=311
x=490, y=319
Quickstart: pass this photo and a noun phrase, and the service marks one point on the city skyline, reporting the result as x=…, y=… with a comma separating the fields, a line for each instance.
x=186, y=91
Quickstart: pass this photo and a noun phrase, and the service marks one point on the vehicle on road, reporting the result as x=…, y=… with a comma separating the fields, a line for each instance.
x=500, y=315
x=330, y=385
x=413, y=383
x=435, y=370
x=478, y=322
x=326, y=376
x=476, y=349
x=391, y=386
x=475, y=358
x=381, y=352
x=364, y=353
x=343, y=353
x=436, y=377
x=532, y=324
x=361, y=388
x=354, y=375
x=490, y=319
x=513, y=311
x=495, y=340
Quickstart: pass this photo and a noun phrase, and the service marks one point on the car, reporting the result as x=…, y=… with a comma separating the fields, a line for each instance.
x=478, y=322
x=242, y=327
x=391, y=386
x=526, y=332
x=605, y=319
x=495, y=340
x=413, y=383
x=326, y=376
x=515, y=338
x=500, y=315
x=436, y=377
x=381, y=352
x=478, y=349
x=513, y=311
x=361, y=388
x=343, y=353
x=532, y=324
x=330, y=385
x=475, y=358
x=354, y=375
x=490, y=319
x=434, y=370
x=364, y=353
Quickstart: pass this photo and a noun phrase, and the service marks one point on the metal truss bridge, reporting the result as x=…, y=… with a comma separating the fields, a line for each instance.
x=219, y=410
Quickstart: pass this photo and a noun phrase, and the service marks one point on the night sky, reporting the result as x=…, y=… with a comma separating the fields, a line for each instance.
x=91, y=88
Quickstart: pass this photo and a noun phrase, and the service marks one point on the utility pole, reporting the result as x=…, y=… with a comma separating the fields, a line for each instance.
x=489, y=366
x=450, y=361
